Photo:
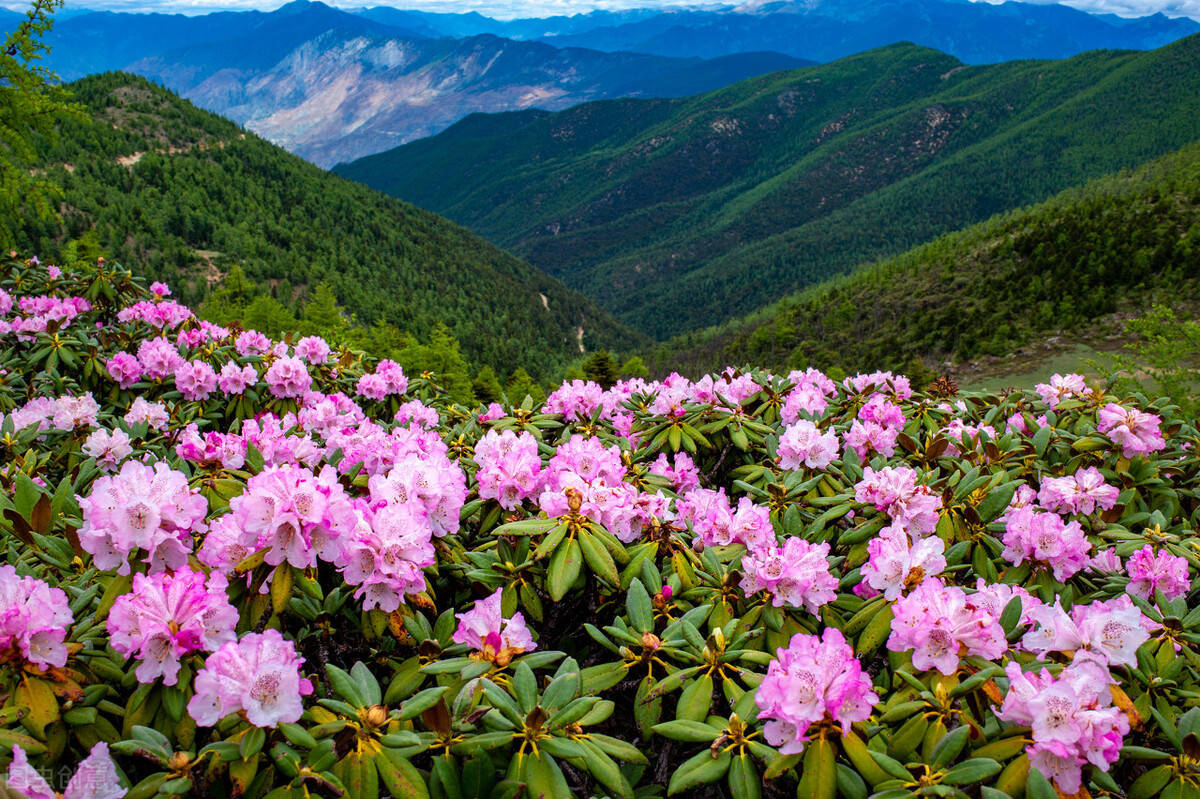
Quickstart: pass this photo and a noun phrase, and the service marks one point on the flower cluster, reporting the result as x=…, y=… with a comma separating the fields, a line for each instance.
x=938, y=624
x=510, y=467
x=795, y=574
x=1137, y=432
x=258, y=676
x=1072, y=718
x=33, y=620
x=812, y=680
x=1043, y=538
x=95, y=778
x=143, y=507
x=804, y=445
x=894, y=491
x=895, y=564
x=1151, y=571
x=1083, y=492
x=169, y=615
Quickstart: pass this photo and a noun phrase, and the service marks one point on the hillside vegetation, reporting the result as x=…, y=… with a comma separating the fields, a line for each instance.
x=182, y=195
x=1114, y=245
x=724, y=202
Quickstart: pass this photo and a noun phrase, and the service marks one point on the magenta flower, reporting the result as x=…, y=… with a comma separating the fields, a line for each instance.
x=141, y=508
x=158, y=358
x=894, y=491
x=288, y=377
x=812, y=680
x=804, y=445
x=33, y=620
x=1072, y=719
x=251, y=342
x=895, y=565
x=95, y=778
x=1136, y=432
x=796, y=574
x=109, y=448
x=1150, y=571
x=258, y=676
x=166, y=616
x=938, y=624
x=196, y=380
x=236, y=379
x=313, y=349
x=1043, y=539
x=1083, y=492
x=1061, y=387
x=124, y=369
x=510, y=467
x=154, y=414
x=494, y=637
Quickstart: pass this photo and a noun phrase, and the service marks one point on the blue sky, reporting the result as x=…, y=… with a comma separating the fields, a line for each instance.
x=507, y=9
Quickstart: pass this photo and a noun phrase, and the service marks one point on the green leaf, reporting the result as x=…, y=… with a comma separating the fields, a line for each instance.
x=564, y=569
x=345, y=687
x=971, y=771
x=947, y=750
x=400, y=777
x=424, y=700
x=641, y=612
x=598, y=559
x=691, y=731
x=367, y=684
x=524, y=687
x=744, y=782
x=700, y=769
x=818, y=774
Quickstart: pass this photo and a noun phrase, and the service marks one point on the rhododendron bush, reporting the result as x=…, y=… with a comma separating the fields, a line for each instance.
x=237, y=566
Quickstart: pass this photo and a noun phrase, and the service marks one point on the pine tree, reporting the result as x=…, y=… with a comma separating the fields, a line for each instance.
x=635, y=367
x=487, y=385
x=601, y=368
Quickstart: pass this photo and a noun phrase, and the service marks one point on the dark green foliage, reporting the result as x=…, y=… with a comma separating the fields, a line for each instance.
x=635, y=367
x=184, y=196
x=29, y=105
x=1111, y=246
x=601, y=368
x=487, y=386
x=678, y=214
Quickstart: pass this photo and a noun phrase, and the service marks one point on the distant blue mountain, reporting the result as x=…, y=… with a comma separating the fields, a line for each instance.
x=824, y=30
x=333, y=86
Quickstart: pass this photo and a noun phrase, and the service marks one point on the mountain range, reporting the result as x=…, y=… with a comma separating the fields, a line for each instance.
x=724, y=202
x=333, y=85
x=182, y=195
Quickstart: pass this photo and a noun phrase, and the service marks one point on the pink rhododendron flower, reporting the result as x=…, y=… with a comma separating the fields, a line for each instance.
x=796, y=574
x=804, y=445
x=717, y=524
x=418, y=413
x=494, y=637
x=894, y=491
x=1109, y=632
x=814, y=679
x=313, y=349
x=1151, y=571
x=158, y=358
x=141, y=508
x=938, y=625
x=251, y=342
x=895, y=565
x=1083, y=492
x=236, y=379
x=1061, y=387
x=1072, y=718
x=109, y=448
x=1043, y=539
x=33, y=620
x=1136, y=432
x=575, y=400
x=94, y=778
x=124, y=369
x=288, y=377
x=166, y=616
x=258, y=676
x=296, y=515
x=196, y=380
x=160, y=289
x=509, y=467
x=682, y=471
x=154, y=414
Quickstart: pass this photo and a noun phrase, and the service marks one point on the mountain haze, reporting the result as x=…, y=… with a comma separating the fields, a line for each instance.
x=727, y=201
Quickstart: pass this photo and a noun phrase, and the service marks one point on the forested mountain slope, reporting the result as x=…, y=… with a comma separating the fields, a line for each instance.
x=182, y=195
x=726, y=201
x=1115, y=245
